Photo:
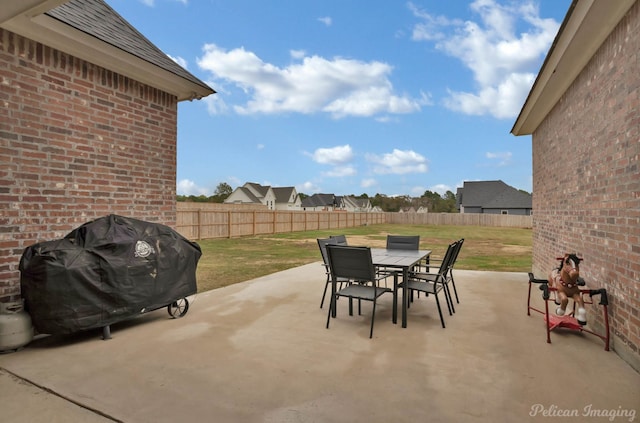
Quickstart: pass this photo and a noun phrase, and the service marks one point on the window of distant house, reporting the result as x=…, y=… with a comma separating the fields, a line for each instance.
x=504, y=212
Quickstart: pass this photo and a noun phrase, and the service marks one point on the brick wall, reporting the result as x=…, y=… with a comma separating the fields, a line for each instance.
x=586, y=181
x=77, y=142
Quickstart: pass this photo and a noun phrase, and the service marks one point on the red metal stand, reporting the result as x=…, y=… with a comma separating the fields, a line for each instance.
x=568, y=321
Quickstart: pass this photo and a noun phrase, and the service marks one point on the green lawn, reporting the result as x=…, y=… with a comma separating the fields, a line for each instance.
x=228, y=261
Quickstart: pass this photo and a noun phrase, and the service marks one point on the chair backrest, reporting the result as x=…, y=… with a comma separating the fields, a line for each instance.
x=447, y=260
x=339, y=239
x=351, y=262
x=322, y=244
x=457, y=251
x=403, y=242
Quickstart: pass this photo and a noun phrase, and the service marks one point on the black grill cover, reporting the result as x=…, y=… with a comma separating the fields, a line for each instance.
x=105, y=271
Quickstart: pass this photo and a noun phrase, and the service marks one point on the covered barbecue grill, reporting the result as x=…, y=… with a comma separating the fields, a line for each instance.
x=105, y=271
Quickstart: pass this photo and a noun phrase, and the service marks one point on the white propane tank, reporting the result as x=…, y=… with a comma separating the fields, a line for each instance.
x=16, y=329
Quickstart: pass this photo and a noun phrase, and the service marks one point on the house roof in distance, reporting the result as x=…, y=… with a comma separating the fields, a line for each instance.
x=492, y=195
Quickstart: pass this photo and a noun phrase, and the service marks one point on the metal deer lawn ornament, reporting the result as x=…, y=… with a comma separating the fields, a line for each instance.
x=565, y=280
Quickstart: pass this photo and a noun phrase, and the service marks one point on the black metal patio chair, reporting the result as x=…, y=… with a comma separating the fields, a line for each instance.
x=355, y=264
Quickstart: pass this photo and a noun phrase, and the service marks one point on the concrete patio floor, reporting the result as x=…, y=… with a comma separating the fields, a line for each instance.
x=259, y=352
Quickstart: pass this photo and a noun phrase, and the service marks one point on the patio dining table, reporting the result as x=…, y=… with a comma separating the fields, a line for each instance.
x=403, y=261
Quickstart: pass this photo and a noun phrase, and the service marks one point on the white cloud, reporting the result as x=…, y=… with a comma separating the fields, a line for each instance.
x=179, y=60
x=308, y=187
x=215, y=104
x=399, y=162
x=503, y=158
x=341, y=171
x=341, y=87
x=326, y=20
x=417, y=191
x=188, y=187
x=503, y=59
x=333, y=156
x=152, y=3
x=260, y=146
x=297, y=54
x=368, y=183
x=440, y=189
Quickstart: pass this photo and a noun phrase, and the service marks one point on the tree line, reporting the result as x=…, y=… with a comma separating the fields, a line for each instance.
x=430, y=200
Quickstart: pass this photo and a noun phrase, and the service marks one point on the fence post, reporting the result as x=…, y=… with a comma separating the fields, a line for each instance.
x=199, y=224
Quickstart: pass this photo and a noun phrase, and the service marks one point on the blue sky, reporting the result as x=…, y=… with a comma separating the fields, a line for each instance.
x=351, y=97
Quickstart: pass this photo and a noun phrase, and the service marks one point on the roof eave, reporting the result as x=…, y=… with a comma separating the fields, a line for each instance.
x=53, y=33
x=587, y=24
x=12, y=8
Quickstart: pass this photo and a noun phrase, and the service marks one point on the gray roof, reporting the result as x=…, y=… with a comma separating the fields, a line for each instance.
x=250, y=195
x=283, y=194
x=319, y=200
x=492, y=195
x=260, y=189
x=99, y=20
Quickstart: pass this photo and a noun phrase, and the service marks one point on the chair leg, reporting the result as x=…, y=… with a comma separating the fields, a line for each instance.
x=330, y=313
x=373, y=316
x=447, y=297
x=326, y=285
x=439, y=310
x=454, y=289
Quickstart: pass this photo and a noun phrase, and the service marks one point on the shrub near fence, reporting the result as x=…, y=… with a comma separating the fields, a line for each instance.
x=195, y=221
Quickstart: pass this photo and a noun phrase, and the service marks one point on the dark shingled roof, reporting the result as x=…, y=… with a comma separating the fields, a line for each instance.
x=283, y=194
x=492, y=195
x=99, y=20
x=319, y=200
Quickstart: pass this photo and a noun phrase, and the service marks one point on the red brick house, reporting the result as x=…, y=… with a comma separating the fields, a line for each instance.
x=583, y=113
x=88, y=124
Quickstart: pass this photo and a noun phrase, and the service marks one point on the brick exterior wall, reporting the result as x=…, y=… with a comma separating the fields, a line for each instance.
x=77, y=142
x=586, y=182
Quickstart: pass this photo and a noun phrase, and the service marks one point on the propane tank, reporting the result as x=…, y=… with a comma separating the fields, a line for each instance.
x=16, y=329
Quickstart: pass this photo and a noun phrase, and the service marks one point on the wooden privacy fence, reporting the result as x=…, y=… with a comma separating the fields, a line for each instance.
x=206, y=223
x=461, y=219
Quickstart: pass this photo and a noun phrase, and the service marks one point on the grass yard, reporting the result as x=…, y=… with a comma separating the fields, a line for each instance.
x=229, y=261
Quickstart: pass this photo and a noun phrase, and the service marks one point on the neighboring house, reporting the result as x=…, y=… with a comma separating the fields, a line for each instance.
x=281, y=198
x=331, y=202
x=88, y=124
x=287, y=198
x=353, y=204
x=410, y=209
x=321, y=202
x=583, y=113
x=252, y=193
x=492, y=197
x=422, y=209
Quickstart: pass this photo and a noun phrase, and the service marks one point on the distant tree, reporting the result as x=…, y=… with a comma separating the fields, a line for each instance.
x=440, y=204
x=390, y=204
x=223, y=188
